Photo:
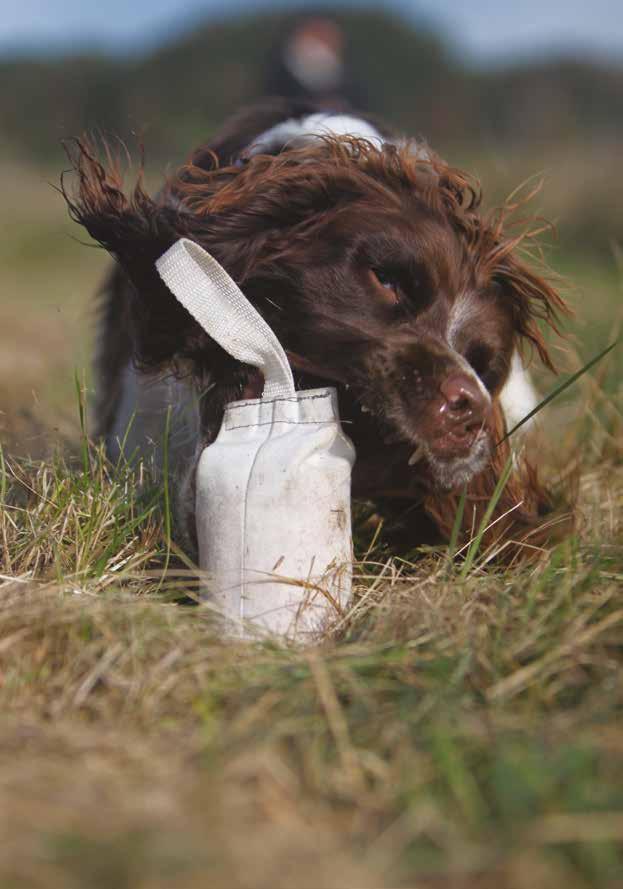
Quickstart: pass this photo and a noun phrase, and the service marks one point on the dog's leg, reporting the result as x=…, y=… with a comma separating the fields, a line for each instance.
x=139, y=424
x=130, y=406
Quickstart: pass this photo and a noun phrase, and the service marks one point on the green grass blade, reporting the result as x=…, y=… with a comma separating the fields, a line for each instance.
x=456, y=527
x=561, y=388
x=167, y=495
x=474, y=546
x=84, y=441
x=124, y=440
x=4, y=485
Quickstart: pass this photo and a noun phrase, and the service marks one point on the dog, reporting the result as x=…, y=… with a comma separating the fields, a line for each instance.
x=371, y=260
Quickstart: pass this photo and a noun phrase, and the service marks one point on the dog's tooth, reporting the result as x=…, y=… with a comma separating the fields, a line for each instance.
x=417, y=454
x=365, y=410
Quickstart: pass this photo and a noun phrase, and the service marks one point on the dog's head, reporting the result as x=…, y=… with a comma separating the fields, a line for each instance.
x=376, y=271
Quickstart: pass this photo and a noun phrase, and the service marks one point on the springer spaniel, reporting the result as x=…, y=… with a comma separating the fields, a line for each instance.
x=369, y=258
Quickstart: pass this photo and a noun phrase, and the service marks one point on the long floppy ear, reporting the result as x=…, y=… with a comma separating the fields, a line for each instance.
x=534, y=299
x=506, y=250
x=510, y=250
x=136, y=230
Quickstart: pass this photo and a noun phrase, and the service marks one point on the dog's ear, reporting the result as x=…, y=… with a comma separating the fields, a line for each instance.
x=136, y=230
x=506, y=251
x=534, y=298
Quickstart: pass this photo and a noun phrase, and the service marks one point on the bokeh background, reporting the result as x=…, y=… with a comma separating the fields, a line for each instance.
x=507, y=92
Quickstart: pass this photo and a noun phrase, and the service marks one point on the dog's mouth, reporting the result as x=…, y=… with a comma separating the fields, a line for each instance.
x=454, y=453
x=456, y=463
x=449, y=440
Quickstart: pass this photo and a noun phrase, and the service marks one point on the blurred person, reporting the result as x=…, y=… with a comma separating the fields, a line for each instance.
x=310, y=64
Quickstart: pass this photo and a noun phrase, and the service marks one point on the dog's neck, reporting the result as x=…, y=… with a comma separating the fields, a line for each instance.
x=297, y=132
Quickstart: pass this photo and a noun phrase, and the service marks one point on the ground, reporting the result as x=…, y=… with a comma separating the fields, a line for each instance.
x=460, y=727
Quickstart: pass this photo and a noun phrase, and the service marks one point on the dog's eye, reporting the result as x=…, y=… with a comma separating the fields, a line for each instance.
x=479, y=356
x=387, y=281
x=486, y=363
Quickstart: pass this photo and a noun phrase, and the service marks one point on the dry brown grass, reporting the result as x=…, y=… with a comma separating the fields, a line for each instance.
x=455, y=733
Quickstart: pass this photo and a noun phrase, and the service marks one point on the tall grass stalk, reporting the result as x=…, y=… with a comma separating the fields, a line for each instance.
x=166, y=493
x=561, y=388
x=456, y=527
x=474, y=545
x=82, y=415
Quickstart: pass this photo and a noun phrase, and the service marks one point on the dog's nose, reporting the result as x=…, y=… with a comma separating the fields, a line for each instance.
x=465, y=404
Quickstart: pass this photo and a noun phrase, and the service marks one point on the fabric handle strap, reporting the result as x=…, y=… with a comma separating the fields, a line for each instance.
x=216, y=302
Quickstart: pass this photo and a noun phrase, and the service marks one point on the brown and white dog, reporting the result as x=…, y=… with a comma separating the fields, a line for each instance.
x=369, y=258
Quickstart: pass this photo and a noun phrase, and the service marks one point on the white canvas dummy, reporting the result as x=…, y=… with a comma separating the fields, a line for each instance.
x=273, y=490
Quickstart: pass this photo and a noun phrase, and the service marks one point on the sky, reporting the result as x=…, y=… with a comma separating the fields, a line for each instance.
x=484, y=30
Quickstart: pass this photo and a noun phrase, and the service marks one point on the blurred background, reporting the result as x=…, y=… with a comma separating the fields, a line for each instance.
x=507, y=92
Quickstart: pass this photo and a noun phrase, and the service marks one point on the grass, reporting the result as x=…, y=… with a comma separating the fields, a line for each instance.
x=461, y=727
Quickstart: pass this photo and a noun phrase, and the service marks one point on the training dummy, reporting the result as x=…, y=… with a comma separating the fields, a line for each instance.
x=273, y=489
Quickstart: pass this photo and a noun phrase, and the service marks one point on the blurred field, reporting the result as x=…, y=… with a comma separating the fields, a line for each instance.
x=452, y=734
x=47, y=283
